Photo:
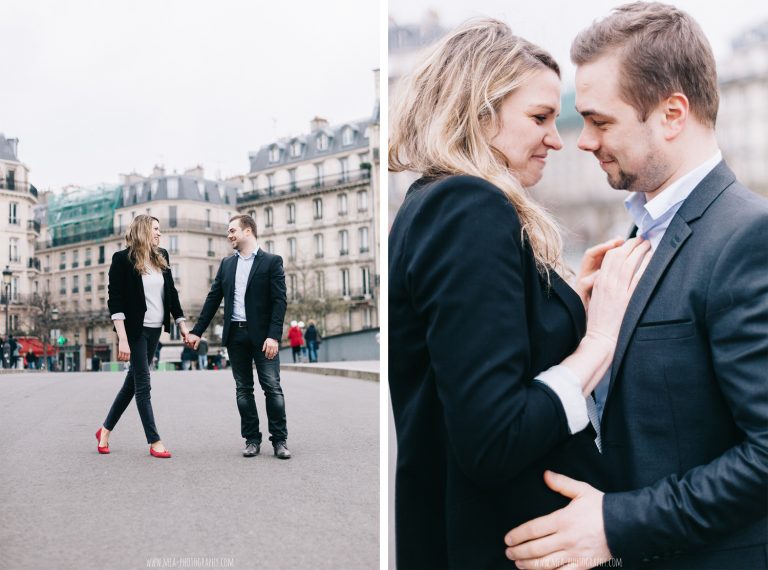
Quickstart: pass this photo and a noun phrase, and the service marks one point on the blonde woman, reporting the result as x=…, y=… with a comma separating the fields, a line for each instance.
x=492, y=359
x=142, y=297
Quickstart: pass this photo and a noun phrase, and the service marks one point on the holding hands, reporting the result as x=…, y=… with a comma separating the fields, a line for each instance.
x=192, y=340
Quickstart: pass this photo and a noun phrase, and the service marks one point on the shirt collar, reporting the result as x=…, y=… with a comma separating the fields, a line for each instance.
x=672, y=195
x=253, y=254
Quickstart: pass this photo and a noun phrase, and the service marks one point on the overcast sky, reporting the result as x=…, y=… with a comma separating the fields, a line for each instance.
x=554, y=23
x=93, y=89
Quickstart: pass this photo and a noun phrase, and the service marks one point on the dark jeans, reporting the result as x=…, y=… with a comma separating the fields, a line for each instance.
x=242, y=354
x=312, y=350
x=137, y=383
x=296, y=353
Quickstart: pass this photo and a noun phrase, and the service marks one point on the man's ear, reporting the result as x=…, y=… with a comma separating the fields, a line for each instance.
x=674, y=111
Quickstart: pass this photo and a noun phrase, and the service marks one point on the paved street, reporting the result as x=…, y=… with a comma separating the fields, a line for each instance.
x=64, y=506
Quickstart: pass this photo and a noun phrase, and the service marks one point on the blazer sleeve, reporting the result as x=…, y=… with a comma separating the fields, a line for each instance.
x=212, y=303
x=278, y=298
x=116, y=288
x=465, y=274
x=712, y=500
x=174, y=305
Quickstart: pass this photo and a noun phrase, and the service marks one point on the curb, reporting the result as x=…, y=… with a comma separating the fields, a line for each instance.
x=328, y=371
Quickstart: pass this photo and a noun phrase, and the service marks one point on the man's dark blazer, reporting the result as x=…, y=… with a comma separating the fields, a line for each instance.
x=685, y=422
x=265, y=300
x=471, y=322
x=126, y=294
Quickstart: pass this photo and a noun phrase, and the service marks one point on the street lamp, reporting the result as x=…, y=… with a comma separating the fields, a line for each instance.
x=49, y=357
x=7, y=274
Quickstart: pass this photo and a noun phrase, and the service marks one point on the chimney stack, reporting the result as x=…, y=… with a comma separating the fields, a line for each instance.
x=317, y=123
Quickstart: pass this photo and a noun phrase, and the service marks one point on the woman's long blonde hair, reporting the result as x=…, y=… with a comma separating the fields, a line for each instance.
x=449, y=104
x=142, y=252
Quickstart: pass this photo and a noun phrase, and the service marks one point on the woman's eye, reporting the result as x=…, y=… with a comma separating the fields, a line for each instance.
x=540, y=118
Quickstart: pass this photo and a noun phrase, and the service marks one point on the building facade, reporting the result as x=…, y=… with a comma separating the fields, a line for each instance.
x=18, y=232
x=315, y=200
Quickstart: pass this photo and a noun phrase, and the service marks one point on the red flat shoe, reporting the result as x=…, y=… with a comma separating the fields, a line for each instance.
x=162, y=454
x=102, y=450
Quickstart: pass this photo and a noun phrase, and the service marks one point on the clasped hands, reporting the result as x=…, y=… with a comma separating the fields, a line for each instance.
x=269, y=348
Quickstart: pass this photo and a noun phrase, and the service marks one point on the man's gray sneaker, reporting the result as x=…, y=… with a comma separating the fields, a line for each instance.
x=251, y=450
x=281, y=450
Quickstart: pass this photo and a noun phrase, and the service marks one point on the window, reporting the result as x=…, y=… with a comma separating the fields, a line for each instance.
x=76, y=284
x=290, y=213
x=319, y=174
x=292, y=177
x=345, y=282
x=344, y=165
x=317, y=206
x=173, y=188
x=320, y=284
x=293, y=293
x=211, y=253
x=87, y=256
x=101, y=281
x=274, y=153
x=343, y=242
x=268, y=217
x=119, y=223
x=296, y=149
x=47, y=263
x=292, y=249
x=362, y=201
x=13, y=209
x=342, y=204
x=175, y=334
x=10, y=180
x=15, y=294
x=270, y=183
x=208, y=219
x=63, y=260
x=322, y=141
x=318, y=245
x=101, y=254
x=175, y=273
x=88, y=282
x=346, y=136
x=75, y=258
x=63, y=286
x=270, y=246
x=173, y=244
x=13, y=250
x=362, y=234
x=153, y=188
x=172, y=213
x=366, y=281
x=367, y=317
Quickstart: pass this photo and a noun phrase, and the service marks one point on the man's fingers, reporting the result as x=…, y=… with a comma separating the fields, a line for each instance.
x=566, y=486
x=633, y=261
x=538, y=548
x=537, y=528
x=555, y=560
x=640, y=270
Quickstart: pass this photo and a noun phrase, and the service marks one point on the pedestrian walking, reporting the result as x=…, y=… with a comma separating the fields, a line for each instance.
x=142, y=296
x=296, y=339
x=312, y=338
x=202, y=355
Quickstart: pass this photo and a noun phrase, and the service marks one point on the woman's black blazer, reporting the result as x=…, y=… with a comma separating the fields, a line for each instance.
x=126, y=294
x=471, y=323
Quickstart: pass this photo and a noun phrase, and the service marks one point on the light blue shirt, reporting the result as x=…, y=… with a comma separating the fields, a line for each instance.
x=244, y=265
x=652, y=219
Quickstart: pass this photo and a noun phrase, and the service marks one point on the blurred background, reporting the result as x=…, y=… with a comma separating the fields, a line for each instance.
x=574, y=187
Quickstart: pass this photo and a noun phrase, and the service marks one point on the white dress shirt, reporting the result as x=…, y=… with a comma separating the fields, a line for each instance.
x=244, y=265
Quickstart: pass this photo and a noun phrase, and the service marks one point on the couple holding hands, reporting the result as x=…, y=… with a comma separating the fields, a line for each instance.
x=142, y=298
x=623, y=421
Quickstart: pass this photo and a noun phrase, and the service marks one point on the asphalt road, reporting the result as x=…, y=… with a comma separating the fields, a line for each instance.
x=64, y=506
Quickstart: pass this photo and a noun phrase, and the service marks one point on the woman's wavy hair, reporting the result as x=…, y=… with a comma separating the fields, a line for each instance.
x=448, y=106
x=142, y=252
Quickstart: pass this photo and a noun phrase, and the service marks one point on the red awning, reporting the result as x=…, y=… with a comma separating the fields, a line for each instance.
x=36, y=345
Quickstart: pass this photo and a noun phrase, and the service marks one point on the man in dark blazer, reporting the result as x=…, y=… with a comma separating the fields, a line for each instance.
x=684, y=423
x=252, y=284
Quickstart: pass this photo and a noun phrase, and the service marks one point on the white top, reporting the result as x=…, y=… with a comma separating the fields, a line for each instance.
x=244, y=265
x=153, y=295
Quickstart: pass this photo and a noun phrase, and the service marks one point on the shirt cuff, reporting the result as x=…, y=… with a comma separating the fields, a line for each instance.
x=180, y=320
x=118, y=317
x=567, y=386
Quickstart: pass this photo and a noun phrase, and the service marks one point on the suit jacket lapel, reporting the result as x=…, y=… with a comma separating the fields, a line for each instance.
x=230, y=271
x=256, y=262
x=675, y=236
x=572, y=302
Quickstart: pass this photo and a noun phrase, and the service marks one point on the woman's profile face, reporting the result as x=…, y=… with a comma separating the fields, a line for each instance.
x=526, y=130
x=155, y=233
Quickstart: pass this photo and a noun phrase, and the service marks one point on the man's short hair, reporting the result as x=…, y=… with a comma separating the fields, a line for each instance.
x=662, y=50
x=246, y=222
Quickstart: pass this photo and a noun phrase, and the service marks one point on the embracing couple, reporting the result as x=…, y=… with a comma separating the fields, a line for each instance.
x=625, y=418
x=142, y=298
